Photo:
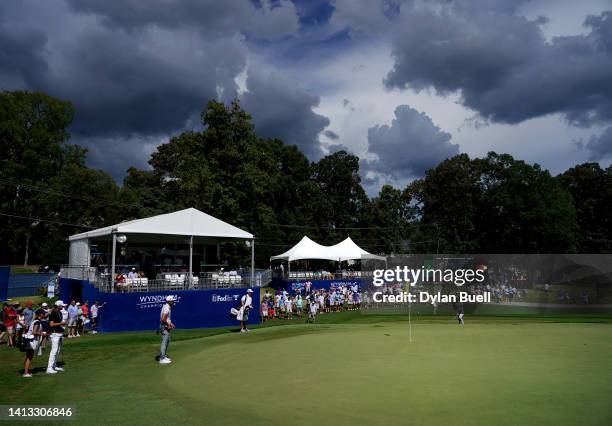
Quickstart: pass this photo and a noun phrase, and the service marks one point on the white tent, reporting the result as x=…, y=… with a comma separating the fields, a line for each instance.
x=348, y=250
x=306, y=249
x=190, y=223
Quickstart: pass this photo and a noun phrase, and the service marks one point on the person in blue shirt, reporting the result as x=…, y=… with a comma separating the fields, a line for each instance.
x=73, y=313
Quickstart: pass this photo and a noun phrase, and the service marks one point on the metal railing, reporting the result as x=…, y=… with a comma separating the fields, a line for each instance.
x=163, y=281
x=322, y=275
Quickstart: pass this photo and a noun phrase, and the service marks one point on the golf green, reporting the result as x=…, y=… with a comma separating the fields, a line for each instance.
x=499, y=372
x=342, y=374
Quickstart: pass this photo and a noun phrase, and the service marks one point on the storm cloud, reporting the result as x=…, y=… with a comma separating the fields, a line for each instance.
x=501, y=64
x=409, y=146
x=283, y=110
x=598, y=147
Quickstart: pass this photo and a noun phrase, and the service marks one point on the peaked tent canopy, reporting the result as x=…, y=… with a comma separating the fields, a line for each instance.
x=188, y=222
x=348, y=250
x=308, y=249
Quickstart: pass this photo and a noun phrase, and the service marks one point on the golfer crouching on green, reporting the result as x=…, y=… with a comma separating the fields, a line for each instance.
x=165, y=326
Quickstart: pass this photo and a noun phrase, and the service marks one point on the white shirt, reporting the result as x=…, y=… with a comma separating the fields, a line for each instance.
x=166, y=309
x=133, y=274
x=94, y=311
x=247, y=301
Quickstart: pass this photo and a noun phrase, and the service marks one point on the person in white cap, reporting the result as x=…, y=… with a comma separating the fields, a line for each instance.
x=166, y=325
x=243, y=314
x=133, y=274
x=56, y=330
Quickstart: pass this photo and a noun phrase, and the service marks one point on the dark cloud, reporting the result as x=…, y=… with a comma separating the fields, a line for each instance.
x=501, y=64
x=209, y=17
x=332, y=135
x=137, y=71
x=122, y=84
x=21, y=59
x=598, y=147
x=409, y=146
x=280, y=109
x=117, y=154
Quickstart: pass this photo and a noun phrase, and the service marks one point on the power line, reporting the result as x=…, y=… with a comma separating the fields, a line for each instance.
x=68, y=194
x=38, y=219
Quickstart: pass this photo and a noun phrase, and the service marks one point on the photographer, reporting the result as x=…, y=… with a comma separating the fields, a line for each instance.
x=166, y=325
x=56, y=328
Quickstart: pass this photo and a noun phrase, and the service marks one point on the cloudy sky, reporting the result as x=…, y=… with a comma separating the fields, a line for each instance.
x=401, y=83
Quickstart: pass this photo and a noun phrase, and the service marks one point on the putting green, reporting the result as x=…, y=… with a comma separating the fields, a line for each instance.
x=492, y=371
x=345, y=374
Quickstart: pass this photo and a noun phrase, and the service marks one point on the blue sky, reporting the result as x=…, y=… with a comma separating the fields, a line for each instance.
x=401, y=83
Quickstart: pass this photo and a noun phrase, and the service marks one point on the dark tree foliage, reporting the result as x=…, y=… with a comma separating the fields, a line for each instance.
x=591, y=189
x=42, y=176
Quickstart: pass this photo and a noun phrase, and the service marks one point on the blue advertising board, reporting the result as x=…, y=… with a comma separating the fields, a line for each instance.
x=141, y=310
x=5, y=273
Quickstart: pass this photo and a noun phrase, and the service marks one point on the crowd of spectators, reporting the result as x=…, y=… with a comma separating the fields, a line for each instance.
x=309, y=301
x=31, y=328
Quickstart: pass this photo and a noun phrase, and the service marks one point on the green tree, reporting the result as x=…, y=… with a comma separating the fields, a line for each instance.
x=591, y=190
x=43, y=176
x=340, y=198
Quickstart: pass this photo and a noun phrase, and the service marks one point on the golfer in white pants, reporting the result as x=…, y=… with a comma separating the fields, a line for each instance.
x=166, y=325
x=56, y=328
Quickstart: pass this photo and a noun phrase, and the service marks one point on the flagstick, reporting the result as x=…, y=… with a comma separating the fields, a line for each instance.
x=409, y=319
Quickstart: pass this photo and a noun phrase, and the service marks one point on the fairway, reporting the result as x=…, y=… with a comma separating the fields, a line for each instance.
x=499, y=372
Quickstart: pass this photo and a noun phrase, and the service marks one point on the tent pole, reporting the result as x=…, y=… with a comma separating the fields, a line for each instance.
x=190, y=261
x=252, y=261
x=112, y=283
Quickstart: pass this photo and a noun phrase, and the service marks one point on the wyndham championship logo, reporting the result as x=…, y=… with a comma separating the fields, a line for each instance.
x=156, y=301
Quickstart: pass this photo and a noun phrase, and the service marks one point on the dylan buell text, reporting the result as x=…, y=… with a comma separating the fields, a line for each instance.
x=433, y=298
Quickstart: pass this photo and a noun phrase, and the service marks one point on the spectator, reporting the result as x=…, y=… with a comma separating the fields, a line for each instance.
x=289, y=307
x=94, y=316
x=73, y=312
x=10, y=319
x=166, y=325
x=133, y=274
x=56, y=327
x=28, y=314
x=79, y=321
x=33, y=337
x=264, y=310
x=312, y=310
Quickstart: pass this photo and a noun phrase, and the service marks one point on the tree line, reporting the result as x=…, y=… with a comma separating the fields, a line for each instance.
x=493, y=204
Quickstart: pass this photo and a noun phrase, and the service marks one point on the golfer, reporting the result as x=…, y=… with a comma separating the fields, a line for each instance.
x=56, y=328
x=460, y=314
x=246, y=303
x=166, y=325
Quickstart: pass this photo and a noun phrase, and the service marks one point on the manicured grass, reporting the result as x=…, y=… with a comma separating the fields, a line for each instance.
x=347, y=369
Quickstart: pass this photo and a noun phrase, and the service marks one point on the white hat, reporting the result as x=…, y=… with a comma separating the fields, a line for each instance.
x=249, y=291
x=44, y=304
x=170, y=298
x=59, y=303
x=78, y=303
